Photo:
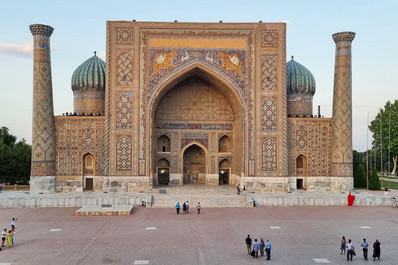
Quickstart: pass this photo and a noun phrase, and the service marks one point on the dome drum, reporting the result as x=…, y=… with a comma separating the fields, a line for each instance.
x=299, y=106
x=89, y=102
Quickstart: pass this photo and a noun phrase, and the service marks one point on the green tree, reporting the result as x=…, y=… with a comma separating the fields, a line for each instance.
x=14, y=159
x=385, y=133
x=360, y=177
x=374, y=182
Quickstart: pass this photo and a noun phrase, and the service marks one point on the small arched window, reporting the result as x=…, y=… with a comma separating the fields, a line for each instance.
x=163, y=144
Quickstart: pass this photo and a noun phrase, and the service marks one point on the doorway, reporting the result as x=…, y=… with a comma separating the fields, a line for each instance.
x=88, y=171
x=163, y=176
x=299, y=185
x=223, y=176
x=194, y=164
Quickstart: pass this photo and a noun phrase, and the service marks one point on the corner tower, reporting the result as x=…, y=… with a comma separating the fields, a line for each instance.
x=342, y=107
x=42, y=176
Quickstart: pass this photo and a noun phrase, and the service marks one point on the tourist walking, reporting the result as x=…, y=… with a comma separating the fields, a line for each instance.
x=3, y=237
x=178, y=207
x=262, y=247
x=343, y=245
x=376, y=249
x=184, y=207
x=350, y=250
x=9, y=236
x=238, y=188
x=268, y=249
x=365, y=246
x=198, y=207
x=187, y=207
x=256, y=248
x=13, y=224
x=248, y=242
x=244, y=190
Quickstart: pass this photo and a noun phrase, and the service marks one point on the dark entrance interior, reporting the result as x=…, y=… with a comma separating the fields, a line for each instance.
x=299, y=184
x=194, y=164
x=89, y=184
x=163, y=176
x=223, y=176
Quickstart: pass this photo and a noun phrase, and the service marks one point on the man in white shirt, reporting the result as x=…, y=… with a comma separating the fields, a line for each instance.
x=13, y=224
x=3, y=237
x=350, y=250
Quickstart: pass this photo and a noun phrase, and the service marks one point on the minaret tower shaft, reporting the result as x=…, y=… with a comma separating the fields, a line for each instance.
x=342, y=107
x=42, y=176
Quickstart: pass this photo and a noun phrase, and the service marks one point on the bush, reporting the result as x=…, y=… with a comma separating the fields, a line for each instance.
x=360, y=177
x=374, y=183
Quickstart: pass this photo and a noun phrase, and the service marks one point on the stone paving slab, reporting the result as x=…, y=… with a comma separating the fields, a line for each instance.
x=96, y=210
x=214, y=237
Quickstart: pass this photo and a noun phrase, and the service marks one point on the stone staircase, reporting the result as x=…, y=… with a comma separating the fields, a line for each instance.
x=208, y=196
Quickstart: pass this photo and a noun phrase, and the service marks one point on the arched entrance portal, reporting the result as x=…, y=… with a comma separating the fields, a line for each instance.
x=197, y=106
x=88, y=171
x=194, y=167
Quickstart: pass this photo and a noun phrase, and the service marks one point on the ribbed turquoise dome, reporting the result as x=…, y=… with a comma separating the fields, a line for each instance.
x=90, y=75
x=299, y=80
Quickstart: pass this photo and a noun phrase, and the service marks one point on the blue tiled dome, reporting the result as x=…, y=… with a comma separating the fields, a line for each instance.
x=299, y=80
x=90, y=75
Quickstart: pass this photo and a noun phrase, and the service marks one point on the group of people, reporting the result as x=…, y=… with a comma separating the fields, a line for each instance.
x=349, y=246
x=254, y=247
x=8, y=236
x=238, y=190
x=185, y=207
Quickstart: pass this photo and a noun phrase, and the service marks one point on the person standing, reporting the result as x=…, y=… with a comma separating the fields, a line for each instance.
x=13, y=224
x=9, y=238
x=376, y=249
x=256, y=248
x=238, y=188
x=184, y=208
x=268, y=249
x=187, y=207
x=3, y=237
x=198, y=207
x=262, y=247
x=244, y=190
x=178, y=207
x=365, y=246
x=248, y=242
x=343, y=245
x=350, y=250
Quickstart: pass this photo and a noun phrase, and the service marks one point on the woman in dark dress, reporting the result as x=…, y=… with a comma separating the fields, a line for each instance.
x=376, y=250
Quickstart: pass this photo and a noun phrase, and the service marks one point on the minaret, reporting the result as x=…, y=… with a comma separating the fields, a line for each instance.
x=342, y=109
x=42, y=175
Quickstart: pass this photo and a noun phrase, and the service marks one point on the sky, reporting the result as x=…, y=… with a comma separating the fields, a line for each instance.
x=80, y=30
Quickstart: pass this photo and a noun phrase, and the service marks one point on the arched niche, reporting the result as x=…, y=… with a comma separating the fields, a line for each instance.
x=163, y=144
x=225, y=144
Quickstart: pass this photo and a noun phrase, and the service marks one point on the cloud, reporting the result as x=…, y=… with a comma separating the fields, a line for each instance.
x=21, y=50
x=102, y=54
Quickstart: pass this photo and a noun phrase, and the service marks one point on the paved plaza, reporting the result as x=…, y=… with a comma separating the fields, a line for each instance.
x=300, y=235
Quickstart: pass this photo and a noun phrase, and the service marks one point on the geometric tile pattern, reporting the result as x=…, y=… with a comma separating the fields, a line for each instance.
x=88, y=136
x=124, y=112
x=124, y=35
x=268, y=73
x=194, y=101
x=124, y=68
x=269, y=114
x=269, y=38
x=301, y=137
x=123, y=154
x=269, y=155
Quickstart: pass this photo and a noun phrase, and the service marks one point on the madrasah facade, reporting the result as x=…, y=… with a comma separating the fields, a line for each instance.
x=191, y=103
